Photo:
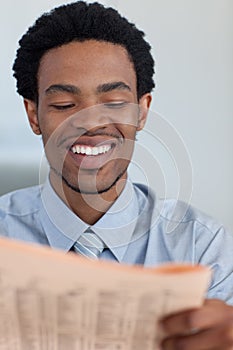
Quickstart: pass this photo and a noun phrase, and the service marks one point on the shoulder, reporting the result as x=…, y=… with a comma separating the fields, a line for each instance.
x=185, y=216
x=177, y=211
x=20, y=215
x=176, y=214
x=20, y=202
x=183, y=233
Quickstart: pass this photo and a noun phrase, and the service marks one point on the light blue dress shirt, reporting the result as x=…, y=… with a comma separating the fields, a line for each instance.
x=137, y=229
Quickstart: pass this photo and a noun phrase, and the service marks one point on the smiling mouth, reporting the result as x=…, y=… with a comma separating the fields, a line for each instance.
x=90, y=150
x=90, y=155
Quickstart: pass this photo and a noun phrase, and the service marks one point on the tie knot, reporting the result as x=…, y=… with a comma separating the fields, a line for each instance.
x=89, y=244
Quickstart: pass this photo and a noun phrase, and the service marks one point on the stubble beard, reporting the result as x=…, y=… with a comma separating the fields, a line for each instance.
x=83, y=191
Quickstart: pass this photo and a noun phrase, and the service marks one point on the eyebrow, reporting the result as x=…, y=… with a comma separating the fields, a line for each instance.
x=71, y=89
x=116, y=85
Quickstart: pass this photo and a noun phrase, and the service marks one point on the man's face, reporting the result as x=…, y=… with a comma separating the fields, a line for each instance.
x=88, y=113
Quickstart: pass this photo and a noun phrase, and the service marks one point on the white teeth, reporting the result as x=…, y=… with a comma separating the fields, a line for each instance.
x=90, y=151
x=95, y=151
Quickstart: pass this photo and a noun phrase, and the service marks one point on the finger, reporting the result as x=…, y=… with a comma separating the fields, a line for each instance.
x=212, y=339
x=213, y=312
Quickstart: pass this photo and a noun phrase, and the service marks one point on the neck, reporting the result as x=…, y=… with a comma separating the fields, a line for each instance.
x=88, y=207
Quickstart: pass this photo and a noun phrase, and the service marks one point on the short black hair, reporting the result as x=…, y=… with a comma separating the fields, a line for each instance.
x=80, y=21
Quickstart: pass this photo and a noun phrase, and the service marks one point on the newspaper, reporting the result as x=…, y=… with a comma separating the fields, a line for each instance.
x=55, y=301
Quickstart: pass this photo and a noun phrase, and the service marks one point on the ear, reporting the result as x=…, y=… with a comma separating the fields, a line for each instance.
x=31, y=109
x=144, y=105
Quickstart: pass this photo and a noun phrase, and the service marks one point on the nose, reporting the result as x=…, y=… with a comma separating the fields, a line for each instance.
x=91, y=118
x=102, y=115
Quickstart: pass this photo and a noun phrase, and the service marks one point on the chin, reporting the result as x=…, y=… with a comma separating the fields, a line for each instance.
x=100, y=186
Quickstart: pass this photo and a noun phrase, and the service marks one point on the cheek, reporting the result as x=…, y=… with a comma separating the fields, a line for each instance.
x=129, y=133
x=49, y=127
x=47, y=136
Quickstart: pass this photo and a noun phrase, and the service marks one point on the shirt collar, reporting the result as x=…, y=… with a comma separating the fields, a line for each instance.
x=61, y=225
x=115, y=227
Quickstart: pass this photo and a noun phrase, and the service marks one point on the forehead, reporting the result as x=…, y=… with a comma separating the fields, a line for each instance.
x=86, y=64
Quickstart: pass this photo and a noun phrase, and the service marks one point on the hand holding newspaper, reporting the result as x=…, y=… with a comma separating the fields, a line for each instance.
x=53, y=301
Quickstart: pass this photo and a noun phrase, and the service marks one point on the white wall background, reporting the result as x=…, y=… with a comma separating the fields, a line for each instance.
x=192, y=43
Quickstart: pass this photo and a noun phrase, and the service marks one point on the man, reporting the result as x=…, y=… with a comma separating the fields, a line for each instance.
x=85, y=74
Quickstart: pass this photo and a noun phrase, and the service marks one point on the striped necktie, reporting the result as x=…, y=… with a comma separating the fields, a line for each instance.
x=89, y=245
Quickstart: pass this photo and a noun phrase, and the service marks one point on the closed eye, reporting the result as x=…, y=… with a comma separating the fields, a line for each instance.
x=63, y=107
x=115, y=104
